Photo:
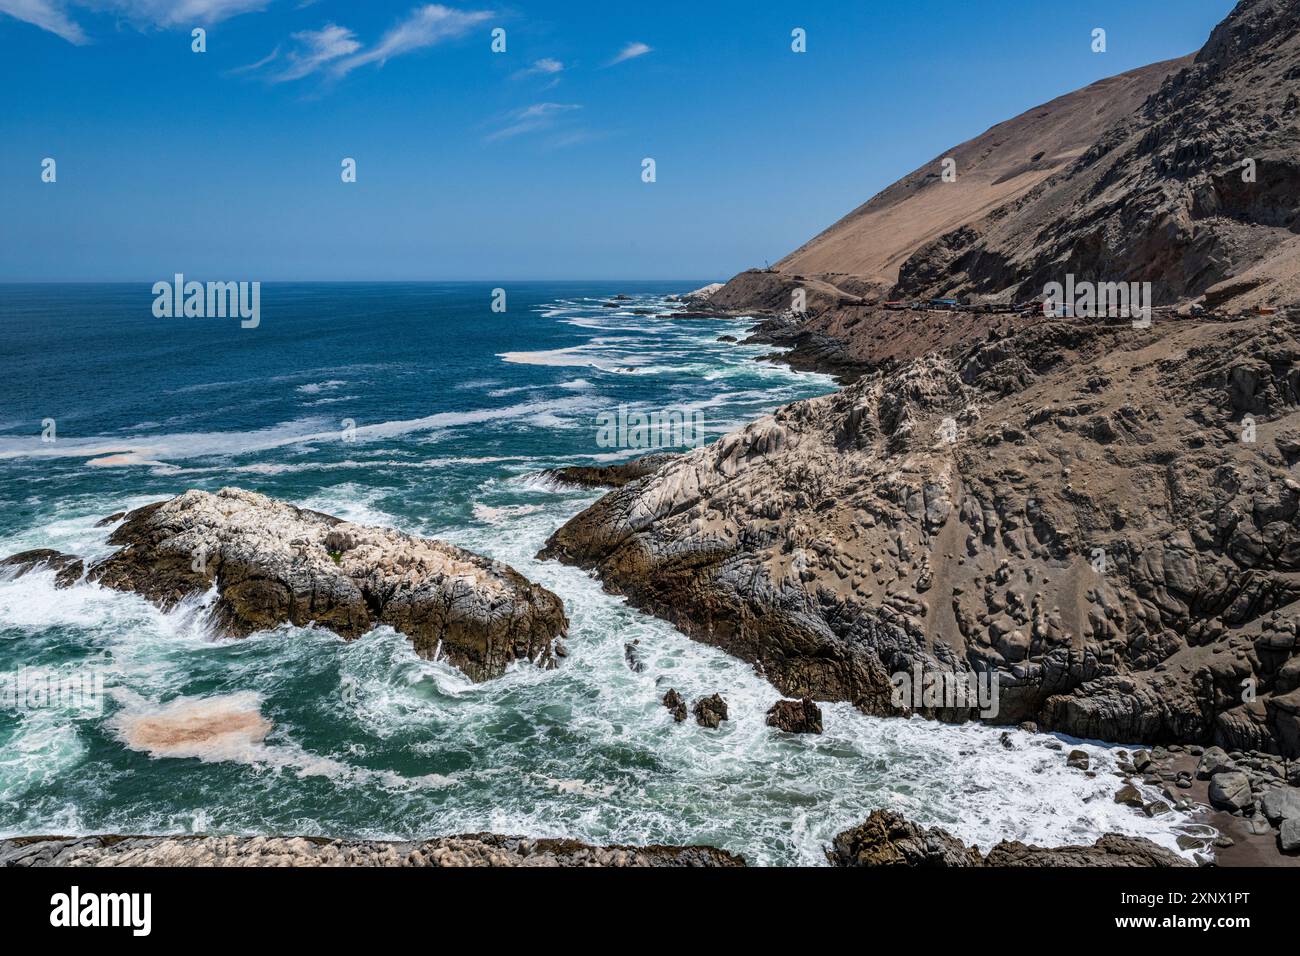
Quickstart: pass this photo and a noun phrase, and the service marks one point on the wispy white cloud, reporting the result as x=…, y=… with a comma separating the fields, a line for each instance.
x=532, y=119
x=546, y=66
x=46, y=14
x=316, y=48
x=254, y=67
x=333, y=46
x=54, y=16
x=424, y=27
x=630, y=52
x=179, y=13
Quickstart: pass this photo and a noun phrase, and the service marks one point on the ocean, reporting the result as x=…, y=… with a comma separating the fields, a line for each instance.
x=419, y=407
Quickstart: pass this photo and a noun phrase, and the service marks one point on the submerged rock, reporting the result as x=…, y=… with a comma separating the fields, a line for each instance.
x=477, y=849
x=272, y=563
x=887, y=839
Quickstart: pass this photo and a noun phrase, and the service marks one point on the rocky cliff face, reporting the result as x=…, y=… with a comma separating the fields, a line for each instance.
x=272, y=563
x=1101, y=518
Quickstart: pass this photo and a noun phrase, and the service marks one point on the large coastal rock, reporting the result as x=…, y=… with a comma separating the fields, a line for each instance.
x=478, y=849
x=887, y=839
x=1100, y=518
x=272, y=563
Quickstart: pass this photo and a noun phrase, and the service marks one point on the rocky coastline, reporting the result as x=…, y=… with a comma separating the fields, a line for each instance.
x=1094, y=518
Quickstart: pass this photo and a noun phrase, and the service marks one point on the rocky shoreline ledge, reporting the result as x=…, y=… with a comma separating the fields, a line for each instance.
x=886, y=840
x=272, y=563
x=477, y=849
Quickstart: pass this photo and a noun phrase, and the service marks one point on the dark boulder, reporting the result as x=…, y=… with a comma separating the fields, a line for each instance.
x=710, y=711
x=675, y=704
x=796, y=716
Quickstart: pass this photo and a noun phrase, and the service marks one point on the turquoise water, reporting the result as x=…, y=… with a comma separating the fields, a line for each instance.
x=451, y=410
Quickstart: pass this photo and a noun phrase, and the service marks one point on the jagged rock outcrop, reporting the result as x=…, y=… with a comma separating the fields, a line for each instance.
x=609, y=476
x=887, y=839
x=795, y=716
x=710, y=711
x=1100, y=518
x=272, y=563
x=477, y=849
x=68, y=568
x=676, y=704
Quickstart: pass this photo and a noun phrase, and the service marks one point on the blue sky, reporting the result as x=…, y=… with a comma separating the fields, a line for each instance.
x=503, y=166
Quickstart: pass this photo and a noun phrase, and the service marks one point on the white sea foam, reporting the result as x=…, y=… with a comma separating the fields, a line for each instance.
x=314, y=388
x=201, y=444
x=958, y=777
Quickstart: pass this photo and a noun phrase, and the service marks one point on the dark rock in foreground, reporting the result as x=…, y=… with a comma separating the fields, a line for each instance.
x=478, y=849
x=796, y=716
x=886, y=839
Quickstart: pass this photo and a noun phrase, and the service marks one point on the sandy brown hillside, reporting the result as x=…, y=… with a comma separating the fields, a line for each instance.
x=1129, y=187
x=992, y=169
x=1165, y=194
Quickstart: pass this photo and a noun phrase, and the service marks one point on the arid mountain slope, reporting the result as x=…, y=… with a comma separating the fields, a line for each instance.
x=992, y=169
x=1185, y=174
x=1166, y=195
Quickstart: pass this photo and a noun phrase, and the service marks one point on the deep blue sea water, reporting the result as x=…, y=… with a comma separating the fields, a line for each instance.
x=449, y=411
